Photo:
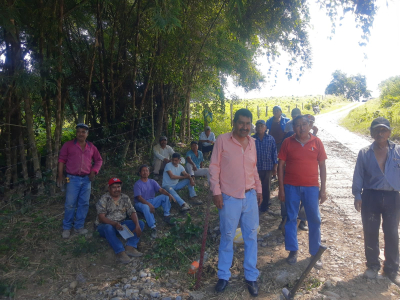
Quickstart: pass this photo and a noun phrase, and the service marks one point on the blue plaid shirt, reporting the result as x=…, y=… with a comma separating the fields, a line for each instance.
x=266, y=152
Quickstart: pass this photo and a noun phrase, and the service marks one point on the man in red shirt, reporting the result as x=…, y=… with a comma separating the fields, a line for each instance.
x=77, y=156
x=302, y=154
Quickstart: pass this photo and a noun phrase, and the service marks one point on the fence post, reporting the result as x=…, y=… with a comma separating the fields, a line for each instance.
x=302, y=106
x=288, y=108
x=258, y=112
x=266, y=111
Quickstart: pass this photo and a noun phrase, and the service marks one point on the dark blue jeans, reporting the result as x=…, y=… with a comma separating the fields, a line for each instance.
x=377, y=204
x=76, y=201
x=111, y=234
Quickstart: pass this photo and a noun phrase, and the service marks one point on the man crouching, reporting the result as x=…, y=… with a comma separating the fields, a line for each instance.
x=112, y=210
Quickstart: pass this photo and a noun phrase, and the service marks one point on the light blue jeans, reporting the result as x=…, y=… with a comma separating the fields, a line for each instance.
x=76, y=199
x=180, y=185
x=308, y=195
x=110, y=233
x=234, y=211
x=158, y=201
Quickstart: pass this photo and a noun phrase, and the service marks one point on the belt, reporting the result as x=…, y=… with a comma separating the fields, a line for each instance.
x=78, y=175
x=246, y=191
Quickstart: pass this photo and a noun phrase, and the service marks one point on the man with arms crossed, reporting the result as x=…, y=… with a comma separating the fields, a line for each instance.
x=237, y=193
x=376, y=186
x=161, y=156
x=77, y=156
x=303, y=154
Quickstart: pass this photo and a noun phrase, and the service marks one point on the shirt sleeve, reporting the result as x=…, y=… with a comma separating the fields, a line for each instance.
x=274, y=154
x=212, y=137
x=284, y=149
x=358, y=177
x=321, y=154
x=157, y=154
x=156, y=186
x=170, y=150
x=181, y=169
x=137, y=190
x=188, y=154
x=215, y=168
x=167, y=167
x=202, y=136
x=256, y=175
x=101, y=206
x=98, y=161
x=129, y=207
x=63, y=156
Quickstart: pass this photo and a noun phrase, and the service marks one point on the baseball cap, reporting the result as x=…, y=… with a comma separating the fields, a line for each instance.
x=114, y=180
x=260, y=122
x=380, y=122
x=162, y=138
x=82, y=125
x=277, y=107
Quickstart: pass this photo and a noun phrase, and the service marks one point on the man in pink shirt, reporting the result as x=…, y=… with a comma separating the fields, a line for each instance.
x=237, y=193
x=77, y=156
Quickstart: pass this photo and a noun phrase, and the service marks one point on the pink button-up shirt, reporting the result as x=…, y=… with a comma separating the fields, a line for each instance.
x=78, y=162
x=232, y=169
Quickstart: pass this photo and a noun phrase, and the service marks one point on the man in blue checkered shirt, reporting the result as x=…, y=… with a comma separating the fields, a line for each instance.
x=267, y=161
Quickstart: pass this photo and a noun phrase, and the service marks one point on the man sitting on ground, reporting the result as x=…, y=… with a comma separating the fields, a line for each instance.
x=112, y=210
x=173, y=172
x=194, y=162
x=207, y=140
x=162, y=155
x=144, y=192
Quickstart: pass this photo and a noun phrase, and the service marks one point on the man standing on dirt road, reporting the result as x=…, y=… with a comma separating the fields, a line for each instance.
x=376, y=186
x=237, y=193
x=276, y=126
x=303, y=154
x=267, y=161
x=77, y=156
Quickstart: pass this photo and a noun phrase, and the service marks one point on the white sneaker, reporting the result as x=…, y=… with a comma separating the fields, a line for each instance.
x=185, y=207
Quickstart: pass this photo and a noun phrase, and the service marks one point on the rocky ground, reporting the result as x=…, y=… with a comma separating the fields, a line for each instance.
x=98, y=277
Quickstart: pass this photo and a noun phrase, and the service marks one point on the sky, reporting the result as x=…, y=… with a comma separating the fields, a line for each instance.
x=342, y=52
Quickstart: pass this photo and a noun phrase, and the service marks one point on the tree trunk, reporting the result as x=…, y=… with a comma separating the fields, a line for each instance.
x=173, y=119
x=183, y=122
x=160, y=110
x=90, y=78
x=188, y=112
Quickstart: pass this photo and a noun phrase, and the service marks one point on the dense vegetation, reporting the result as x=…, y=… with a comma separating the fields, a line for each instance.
x=387, y=105
x=130, y=68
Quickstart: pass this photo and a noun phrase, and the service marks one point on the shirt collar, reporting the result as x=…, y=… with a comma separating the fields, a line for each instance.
x=391, y=145
x=236, y=141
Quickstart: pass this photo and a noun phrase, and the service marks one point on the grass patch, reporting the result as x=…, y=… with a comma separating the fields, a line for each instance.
x=359, y=119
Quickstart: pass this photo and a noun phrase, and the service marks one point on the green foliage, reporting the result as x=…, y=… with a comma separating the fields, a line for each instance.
x=350, y=87
x=178, y=246
x=390, y=91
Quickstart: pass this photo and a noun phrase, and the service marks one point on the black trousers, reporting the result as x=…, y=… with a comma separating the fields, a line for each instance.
x=376, y=203
x=265, y=178
x=207, y=149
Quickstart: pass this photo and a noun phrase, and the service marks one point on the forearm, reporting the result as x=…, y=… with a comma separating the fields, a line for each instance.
x=60, y=169
x=135, y=219
x=280, y=173
x=190, y=161
x=164, y=192
x=142, y=200
x=322, y=171
x=103, y=219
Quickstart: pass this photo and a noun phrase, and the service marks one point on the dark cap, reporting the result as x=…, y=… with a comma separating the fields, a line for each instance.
x=193, y=142
x=82, y=125
x=277, y=107
x=114, y=180
x=380, y=122
x=162, y=138
x=260, y=122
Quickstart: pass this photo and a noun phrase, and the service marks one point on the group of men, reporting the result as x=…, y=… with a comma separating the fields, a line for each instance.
x=239, y=175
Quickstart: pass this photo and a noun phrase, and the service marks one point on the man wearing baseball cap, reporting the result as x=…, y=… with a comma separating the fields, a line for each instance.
x=376, y=186
x=112, y=210
x=77, y=156
x=162, y=154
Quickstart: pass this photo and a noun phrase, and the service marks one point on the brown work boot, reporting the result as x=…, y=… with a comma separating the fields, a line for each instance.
x=123, y=258
x=131, y=251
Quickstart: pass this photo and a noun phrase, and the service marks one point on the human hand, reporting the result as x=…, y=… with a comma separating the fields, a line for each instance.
x=281, y=195
x=274, y=172
x=166, y=160
x=118, y=226
x=322, y=196
x=171, y=198
x=152, y=209
x=91, y=176
x=138, y=230
x=60, y=181
x=259, y=198
x=218, y=201
x=357, y=205
x=192, y=183
x=194, y=168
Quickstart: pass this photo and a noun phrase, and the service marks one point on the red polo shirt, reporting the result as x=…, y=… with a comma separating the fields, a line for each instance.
x=302, y=160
